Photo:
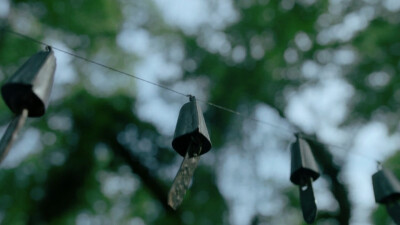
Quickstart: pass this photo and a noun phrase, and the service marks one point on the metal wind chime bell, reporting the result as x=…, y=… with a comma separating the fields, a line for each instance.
x=387, y=192
x=304, y=171
x=27, y=93
x=191, y=140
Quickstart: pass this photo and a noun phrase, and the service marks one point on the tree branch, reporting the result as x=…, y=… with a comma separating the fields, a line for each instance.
x=158, y=190
x=332, y=171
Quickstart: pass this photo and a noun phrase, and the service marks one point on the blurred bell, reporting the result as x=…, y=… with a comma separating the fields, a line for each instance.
x=303, y=162
x=304, y=171
x=191, y=126
x=27, y=93
x=387, y=191
x=29, y=88
x=191, y=140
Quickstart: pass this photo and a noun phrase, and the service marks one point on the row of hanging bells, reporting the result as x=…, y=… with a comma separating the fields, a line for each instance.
x=304, y=170
x=27, y=94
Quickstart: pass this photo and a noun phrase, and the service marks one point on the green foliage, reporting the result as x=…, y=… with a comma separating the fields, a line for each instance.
x=88, y=17
x=96, y=160
x=378, y=50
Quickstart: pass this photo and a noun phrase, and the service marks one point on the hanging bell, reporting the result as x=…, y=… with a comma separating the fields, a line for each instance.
x=191, y=126
x=29, y=88
x=387, y=191
x=27, y=93
x=191, y=140
x=304, y=171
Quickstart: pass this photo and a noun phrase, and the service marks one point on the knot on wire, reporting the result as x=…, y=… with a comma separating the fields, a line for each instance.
x=379, y=165
x=191, y=97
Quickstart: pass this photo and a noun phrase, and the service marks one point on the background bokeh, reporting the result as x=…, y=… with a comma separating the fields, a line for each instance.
x=102, y=153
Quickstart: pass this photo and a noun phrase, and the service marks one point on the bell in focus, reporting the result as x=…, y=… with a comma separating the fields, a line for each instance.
x=27, y=93
x=304, y=171
x=191, y=140
x=387, y=192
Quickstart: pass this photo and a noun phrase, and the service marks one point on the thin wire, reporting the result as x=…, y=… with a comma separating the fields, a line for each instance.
x=345, y=149
x=244, y=116
x=147, y=81
x=308, y=137
x=97, y=63
x=188, y=95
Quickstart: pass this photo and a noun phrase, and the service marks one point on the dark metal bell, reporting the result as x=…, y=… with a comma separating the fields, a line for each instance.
x=387, y=191
x=386, y=186
x=191, y=140
x=191, y=127
x=29, y=88
x=303, y=162
x=304, y=171
x=27, y=93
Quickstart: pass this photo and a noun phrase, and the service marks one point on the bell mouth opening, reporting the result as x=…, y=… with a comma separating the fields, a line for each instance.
x=299, y=176
x=181, y=143
x=20, y=96
x=391, y=199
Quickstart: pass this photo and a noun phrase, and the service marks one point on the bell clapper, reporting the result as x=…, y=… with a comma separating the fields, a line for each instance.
x=11, y=133
x=184, y=176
